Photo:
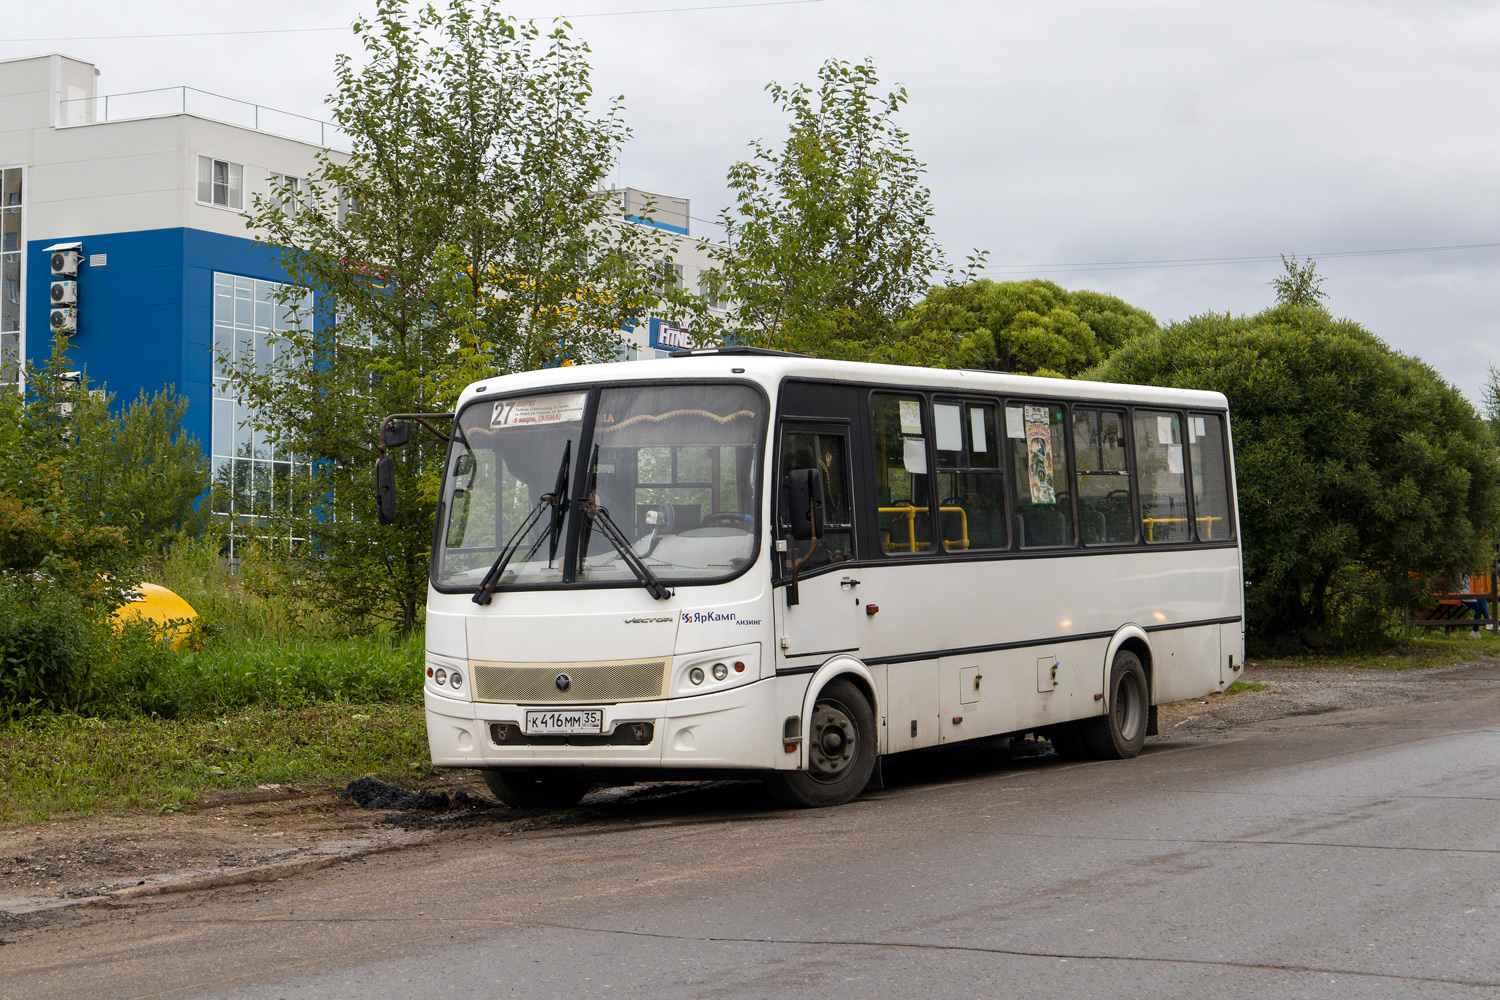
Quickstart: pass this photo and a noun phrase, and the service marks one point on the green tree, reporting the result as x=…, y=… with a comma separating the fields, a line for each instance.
x=465, y=235
x=828, y=240
x=1363, y=476
x=1299, y=284
x=1491, y=392
x=1019, y=326
x=50, y=538
x=137, y=470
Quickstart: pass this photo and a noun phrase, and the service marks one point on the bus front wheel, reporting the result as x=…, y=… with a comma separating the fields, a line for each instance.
x=537, y=787
x=840, y=751
x=1122, y=731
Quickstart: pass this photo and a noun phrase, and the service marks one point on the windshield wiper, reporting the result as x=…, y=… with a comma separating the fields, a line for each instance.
x=558, y=501
x=589, y=505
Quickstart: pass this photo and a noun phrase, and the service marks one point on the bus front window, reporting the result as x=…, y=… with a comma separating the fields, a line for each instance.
x=674, y=465
x=676, y=470
x=505, y=458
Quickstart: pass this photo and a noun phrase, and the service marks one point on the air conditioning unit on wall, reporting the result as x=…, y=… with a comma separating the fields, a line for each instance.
x=64, y=319
x=64, y=293
x=65, y=263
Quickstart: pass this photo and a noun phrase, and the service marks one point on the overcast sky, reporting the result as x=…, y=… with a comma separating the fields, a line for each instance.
x=1057, y=136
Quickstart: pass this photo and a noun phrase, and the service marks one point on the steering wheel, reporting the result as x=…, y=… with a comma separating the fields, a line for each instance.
x=735, y=519
x=1117, y=497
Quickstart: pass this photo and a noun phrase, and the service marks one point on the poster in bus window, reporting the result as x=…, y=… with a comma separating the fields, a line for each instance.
x=1039, y=454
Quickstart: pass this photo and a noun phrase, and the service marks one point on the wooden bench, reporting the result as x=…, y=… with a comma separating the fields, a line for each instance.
x=1450, y=612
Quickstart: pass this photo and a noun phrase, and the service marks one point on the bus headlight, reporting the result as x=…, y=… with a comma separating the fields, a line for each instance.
x=714, y=670
x=440, y=677
x=456, y=679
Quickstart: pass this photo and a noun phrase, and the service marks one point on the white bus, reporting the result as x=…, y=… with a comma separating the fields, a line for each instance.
x=739, y=562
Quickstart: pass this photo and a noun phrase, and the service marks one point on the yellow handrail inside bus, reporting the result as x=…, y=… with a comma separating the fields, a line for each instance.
x=910, y=512
x=1152, y=522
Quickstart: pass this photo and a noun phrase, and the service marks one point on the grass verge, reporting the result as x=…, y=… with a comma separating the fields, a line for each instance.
x=1240, y=687
x=58, y=766
x=1417, y=651
x=227, y=676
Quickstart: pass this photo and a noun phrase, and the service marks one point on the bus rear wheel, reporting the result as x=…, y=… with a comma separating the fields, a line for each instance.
x=1121, y=732
x=537, y=787
x=840, y=751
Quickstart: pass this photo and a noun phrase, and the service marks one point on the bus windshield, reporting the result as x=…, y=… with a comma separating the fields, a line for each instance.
x=674, y=466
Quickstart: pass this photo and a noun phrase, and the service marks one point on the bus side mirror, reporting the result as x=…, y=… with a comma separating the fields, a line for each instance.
x=385, y=489
x=802, y=496
x=397, y=433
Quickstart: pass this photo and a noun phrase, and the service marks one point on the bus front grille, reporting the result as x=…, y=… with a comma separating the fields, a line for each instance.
x=569, y=683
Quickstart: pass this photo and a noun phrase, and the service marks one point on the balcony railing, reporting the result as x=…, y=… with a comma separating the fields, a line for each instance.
x=201, y=104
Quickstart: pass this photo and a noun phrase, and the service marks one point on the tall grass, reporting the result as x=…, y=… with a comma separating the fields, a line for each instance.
x=258, y=640
x=259, y=596
x=227, y=675
x=269, y=687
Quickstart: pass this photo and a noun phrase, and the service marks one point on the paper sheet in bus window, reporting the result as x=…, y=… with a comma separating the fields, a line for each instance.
x=1164, y=430
x=914, y=456
x=556, y=408
x=947, y=421
x=1196, y=429
x=911, y=416
x=976, y=431
x=1015, y=427
x=1039, y=455
x=1174, y=459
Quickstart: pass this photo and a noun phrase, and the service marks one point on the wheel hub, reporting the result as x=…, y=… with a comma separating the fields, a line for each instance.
x=834, y=742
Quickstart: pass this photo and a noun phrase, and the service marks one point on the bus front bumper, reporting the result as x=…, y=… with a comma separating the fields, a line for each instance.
x=732, y=729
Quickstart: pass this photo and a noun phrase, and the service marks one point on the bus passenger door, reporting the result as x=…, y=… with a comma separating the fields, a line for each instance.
x=820, y=613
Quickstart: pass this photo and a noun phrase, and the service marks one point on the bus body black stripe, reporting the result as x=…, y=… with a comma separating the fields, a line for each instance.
x=995, y=647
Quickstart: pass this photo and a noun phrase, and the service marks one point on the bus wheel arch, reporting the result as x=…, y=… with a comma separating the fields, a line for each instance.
x=1134, y=639
x=849, y=669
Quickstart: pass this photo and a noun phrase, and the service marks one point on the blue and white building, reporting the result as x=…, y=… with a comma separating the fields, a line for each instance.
x=142, y=195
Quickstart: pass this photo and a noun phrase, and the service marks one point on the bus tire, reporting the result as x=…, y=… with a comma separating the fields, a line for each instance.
x=840, y=751
x=537, y=787
x=1122, y=731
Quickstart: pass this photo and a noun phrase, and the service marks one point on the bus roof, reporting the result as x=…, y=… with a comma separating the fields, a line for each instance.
x=769, y=369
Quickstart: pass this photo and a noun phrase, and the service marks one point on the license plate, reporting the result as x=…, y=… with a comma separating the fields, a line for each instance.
x=565, y=721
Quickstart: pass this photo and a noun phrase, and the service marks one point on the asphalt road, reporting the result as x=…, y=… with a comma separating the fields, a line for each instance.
x=1349, y=854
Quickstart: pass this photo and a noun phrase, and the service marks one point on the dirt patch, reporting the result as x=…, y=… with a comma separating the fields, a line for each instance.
x=224, y=832
x=1318, y=691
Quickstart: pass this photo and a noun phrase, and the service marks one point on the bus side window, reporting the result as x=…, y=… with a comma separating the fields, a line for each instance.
x=971, y=497
x=1039, y=474
x=1210, y=477
x=902, y=488
x=1106, y=515
x=829, y=453
x=1161, y=476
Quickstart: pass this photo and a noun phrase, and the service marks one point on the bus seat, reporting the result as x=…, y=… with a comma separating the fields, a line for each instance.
x=1040, y=524
x=1092, y=526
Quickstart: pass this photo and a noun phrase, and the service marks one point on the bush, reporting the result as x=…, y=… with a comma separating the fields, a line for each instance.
x=48, y=640
x=1363, y=476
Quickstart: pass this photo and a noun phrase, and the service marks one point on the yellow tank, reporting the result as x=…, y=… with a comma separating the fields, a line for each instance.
x=160, y=605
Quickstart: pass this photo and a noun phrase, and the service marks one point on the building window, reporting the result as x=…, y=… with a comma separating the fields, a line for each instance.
x=11, y=270
x=221, y=183
x=348, y=208
x=255, y=479
x=285, y=190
